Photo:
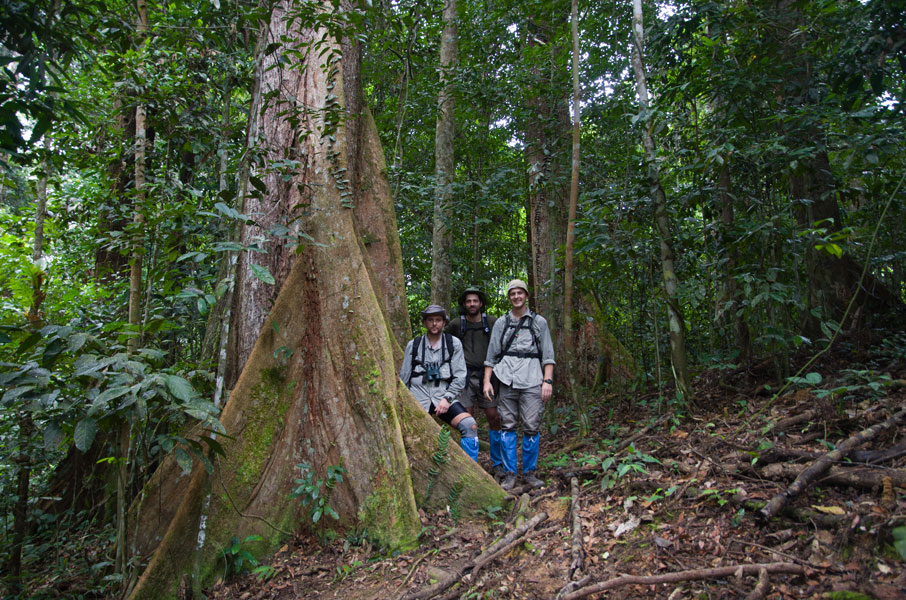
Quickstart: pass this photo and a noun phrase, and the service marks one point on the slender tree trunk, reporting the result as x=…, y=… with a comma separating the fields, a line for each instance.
x=661, y=219
x=444, y=165
x=731, y=297
x=538, y=157
x=569, y=265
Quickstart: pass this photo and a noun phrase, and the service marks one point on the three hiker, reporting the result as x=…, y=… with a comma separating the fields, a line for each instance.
x=504, y=365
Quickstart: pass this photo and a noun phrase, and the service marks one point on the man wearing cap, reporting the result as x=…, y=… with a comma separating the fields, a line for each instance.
x=473, y=328
x=434, y=369
x=521, y=356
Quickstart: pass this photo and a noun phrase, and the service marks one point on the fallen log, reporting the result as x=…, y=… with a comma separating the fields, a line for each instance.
x=691, y=575
x=856, y=457
x=857, y=477
x=820, y=466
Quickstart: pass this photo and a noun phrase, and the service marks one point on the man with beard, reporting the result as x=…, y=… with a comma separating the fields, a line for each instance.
x=473, y=328
x=434, y=370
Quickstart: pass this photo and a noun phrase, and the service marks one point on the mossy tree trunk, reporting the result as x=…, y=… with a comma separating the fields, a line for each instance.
x=320, y=385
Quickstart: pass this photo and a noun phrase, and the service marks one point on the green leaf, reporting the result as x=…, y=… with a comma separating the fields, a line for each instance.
x=84, y=433
x=258, y=184
x=15, y=393
x=899, y=541
x=85, y=364
x=179, y=388
x=262, y=273
x=184, y=460
x=813, y=378
x=111, y=394
x=53, y=436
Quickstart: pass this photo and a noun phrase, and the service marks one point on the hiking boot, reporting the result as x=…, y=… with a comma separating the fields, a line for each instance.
x=509, y=482
x=498, y=473
x=531, y=480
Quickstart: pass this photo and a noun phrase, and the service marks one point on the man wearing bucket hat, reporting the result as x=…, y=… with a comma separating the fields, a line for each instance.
x=521, y=357
x=473, y=328
x=434, y=369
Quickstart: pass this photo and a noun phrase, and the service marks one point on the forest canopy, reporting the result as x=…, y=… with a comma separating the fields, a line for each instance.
x=139, y=255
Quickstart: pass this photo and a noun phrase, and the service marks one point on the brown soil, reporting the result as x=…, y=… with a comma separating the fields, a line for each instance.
x=694, y=507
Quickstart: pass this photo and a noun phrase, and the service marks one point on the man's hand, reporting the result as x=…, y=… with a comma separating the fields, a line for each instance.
x=546, y=391
x=442, y=406
x=489, y=391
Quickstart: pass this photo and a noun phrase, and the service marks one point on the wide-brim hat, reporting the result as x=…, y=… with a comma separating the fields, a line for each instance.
x=436, y=309
x=472, y=290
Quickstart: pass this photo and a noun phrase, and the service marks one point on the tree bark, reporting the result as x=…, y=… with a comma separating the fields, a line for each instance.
x=320, y=385
x=676, y=322
x=444, y=165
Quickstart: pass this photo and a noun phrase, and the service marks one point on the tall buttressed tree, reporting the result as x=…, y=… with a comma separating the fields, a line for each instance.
x=320, y=385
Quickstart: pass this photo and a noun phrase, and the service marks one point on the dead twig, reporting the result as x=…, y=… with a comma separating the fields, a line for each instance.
x=691, y=575
x=484, y=558
x=806, y=477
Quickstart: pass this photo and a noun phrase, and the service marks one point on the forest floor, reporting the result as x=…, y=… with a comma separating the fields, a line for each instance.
x=679, y=502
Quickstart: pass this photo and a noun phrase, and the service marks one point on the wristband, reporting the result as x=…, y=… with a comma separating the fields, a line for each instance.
x=550, y=381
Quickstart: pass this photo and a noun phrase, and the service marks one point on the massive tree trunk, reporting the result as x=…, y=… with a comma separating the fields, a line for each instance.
x=320, y=385
x=661, y=219
x=276, y=227
x=444, y=165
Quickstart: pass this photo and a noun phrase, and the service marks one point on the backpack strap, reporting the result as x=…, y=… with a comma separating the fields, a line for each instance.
x=526, y=322
x=446, y=356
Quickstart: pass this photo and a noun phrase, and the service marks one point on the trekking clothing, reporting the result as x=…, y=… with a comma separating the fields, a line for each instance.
x=435, y=374
x=517, y=368
x=472, y=394
x=451, y=370
x=518, y=351
x=520, y=407
x=475, y=338
x=496, y=449
x=469, y=445
x=530, y=445
x=531, y=480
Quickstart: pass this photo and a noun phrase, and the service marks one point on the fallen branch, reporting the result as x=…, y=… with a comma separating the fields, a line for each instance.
x=503, y=545
x=691, y=575
x=806, y=477
x=862, y=478
x=577, y=565
x=495, y=550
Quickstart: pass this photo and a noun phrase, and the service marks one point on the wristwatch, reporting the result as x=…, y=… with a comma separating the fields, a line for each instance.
x=550, y=381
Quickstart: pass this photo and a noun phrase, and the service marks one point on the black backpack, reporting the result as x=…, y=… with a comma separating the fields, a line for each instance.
x=462, y=325
x=446, y=356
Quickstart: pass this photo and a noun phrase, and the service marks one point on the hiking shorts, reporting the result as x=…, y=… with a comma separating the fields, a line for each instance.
x=473, y=393
x=520, y=407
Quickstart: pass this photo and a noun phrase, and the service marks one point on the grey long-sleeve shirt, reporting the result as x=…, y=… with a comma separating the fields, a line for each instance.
x=428, y=393
x=516, y=372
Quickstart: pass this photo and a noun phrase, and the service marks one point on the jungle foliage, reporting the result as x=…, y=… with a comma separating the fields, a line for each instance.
x=781, y=149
